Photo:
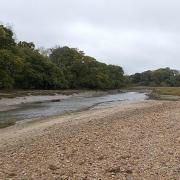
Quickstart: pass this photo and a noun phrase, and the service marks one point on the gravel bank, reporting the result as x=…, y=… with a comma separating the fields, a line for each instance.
x=130, y=141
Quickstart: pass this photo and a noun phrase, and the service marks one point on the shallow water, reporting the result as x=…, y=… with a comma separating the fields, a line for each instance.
x=46, y=109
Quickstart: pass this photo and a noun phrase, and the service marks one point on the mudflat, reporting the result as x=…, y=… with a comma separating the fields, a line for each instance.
x=129, y=141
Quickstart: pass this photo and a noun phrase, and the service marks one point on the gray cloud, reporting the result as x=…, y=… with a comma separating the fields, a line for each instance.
x=138, y=35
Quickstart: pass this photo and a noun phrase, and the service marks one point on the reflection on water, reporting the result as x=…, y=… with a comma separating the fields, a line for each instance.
x=46, y=109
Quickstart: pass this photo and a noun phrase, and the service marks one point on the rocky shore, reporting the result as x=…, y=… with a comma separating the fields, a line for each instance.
x=129, y=141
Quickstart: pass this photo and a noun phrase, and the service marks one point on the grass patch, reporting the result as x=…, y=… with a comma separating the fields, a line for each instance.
x=165, y=93
x=159, y=93
x=174, y=91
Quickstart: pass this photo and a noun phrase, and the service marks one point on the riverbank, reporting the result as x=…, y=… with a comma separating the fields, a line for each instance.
x=165, y=93
x=129, y=141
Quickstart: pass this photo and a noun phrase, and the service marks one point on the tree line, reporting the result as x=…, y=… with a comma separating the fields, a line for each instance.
x=160, y=77
x=22, y=66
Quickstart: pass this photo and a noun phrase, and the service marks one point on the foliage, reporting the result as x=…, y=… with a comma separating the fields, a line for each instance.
x=160, y=77
x=84, y=71
x=174, y=91
x=22, y=66
x=6, y=38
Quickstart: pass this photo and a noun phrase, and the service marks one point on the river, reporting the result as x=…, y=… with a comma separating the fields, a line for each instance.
x=44, y=109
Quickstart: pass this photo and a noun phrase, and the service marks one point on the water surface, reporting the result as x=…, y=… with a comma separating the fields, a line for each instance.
x=46, y=109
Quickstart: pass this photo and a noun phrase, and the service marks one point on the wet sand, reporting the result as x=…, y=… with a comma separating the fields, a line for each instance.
x=129, y=141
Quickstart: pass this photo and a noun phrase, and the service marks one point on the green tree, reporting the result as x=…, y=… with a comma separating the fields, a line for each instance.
x=23, y=66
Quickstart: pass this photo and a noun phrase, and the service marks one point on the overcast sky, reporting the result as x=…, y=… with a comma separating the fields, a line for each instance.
x=136, y=34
